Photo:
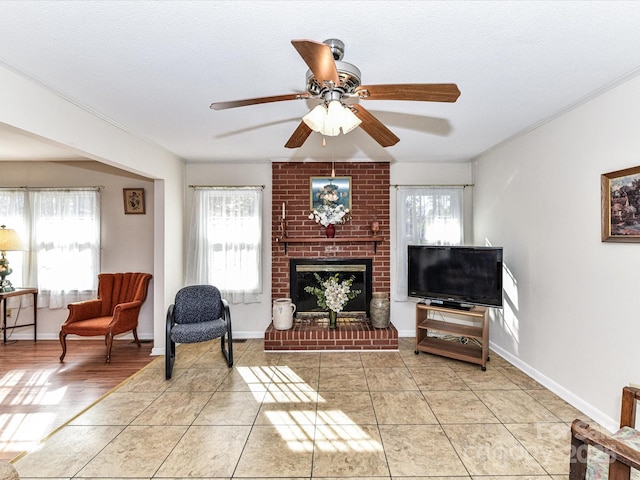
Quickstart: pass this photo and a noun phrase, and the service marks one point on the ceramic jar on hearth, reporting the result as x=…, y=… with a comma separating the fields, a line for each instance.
x=379, y=310
x=283, y=310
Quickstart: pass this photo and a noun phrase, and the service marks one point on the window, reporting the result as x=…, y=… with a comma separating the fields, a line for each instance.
x=426, y=216
x=225, y=241
x=62, y=229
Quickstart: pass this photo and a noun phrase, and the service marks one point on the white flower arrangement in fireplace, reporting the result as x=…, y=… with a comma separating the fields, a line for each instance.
x=330, y=214
x=333, y=294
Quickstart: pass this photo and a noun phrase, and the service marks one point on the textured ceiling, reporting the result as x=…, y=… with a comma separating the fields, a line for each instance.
x=153, y=68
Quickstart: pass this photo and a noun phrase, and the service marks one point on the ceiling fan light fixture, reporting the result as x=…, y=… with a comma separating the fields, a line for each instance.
x=329, y=129
x=333, y=119
x=349, y=120
x=315, y=118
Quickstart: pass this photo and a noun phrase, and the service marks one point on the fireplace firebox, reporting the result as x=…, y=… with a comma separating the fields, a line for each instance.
x=302, y=272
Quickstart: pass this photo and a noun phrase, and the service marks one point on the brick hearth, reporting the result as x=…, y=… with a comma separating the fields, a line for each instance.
x=315, y=335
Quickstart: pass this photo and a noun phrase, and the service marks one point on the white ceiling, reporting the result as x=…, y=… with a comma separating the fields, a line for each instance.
x=154, y=67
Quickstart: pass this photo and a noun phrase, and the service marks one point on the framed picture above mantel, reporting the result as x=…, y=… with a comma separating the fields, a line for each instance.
x=330, y=190
x=620, y=192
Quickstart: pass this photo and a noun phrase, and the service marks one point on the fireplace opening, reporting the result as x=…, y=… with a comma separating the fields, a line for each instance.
x=302, y=272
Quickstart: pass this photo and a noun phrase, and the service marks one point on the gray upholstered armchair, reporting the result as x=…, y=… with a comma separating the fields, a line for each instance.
x=198, y=314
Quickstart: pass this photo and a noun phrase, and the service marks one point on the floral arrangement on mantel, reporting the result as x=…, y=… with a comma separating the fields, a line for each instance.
x=330, y=214
x=332, y=295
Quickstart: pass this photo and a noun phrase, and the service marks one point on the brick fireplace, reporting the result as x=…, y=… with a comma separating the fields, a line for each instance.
x=306, y=240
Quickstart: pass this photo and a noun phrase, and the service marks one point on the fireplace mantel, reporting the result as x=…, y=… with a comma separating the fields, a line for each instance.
x=372, y=239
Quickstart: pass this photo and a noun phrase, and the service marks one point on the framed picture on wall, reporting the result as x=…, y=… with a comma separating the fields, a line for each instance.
x=133, y=200
x=620, y=193
x=328, y=190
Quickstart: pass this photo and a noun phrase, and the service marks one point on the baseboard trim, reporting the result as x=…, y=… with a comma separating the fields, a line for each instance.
x=606, y=421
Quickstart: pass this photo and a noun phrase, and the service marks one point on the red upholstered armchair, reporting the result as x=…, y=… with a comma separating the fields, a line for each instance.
x=115, y=311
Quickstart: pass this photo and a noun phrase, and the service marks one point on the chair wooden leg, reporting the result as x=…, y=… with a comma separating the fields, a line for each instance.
x=63, y=342
x=109, y=340
x=619, y=471
x=578, y=459
x=628, y=408
x=135, y=336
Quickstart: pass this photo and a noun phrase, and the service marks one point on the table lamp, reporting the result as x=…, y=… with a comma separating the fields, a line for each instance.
x=9, y=242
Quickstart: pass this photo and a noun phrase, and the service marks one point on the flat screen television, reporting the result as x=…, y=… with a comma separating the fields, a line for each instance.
x=456, y=276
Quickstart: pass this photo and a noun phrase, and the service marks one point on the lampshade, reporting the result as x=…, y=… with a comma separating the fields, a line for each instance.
x=333, y=119
x=10, y=240
x=315, y=118
x=329, y=120
x=349, y=120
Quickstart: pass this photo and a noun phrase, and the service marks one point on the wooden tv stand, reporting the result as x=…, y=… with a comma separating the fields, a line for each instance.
x=426, y=323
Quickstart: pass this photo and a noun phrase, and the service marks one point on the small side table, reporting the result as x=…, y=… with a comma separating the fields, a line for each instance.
x=15, y=293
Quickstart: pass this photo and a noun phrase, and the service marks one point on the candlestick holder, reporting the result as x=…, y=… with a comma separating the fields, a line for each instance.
x=283, y=227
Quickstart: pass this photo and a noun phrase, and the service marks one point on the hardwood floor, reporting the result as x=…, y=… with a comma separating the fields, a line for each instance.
x=38, y=393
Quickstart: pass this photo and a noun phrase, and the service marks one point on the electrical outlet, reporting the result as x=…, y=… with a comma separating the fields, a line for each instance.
x=9, y=312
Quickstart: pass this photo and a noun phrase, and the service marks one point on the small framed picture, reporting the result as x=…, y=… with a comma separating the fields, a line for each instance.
x=330, y=191
x=133, y=200
x=621, y=205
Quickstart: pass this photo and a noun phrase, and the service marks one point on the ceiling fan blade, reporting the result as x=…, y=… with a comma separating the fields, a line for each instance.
x=319, y=59
x=255, y=101
x=374, y=127
x=421, y=92
x=299, y=136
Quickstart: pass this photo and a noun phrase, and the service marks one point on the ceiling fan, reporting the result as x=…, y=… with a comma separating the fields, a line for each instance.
x=331, y=80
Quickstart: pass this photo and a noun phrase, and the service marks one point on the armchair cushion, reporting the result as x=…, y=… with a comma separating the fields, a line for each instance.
x=198, y=332
x=596, y=455
x=91, y=327
x=598, y=465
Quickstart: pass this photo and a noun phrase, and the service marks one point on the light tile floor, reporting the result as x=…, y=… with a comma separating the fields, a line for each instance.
x=315, y=415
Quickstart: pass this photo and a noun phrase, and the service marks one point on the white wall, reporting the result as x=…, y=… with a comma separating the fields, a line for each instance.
x=126, y=240
x=569, y=317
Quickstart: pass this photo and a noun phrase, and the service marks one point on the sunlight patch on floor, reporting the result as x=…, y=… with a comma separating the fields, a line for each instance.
x=256, y=374
x=36, y=392
x=292, y=417
x=296, y=393
x=299, y=438
x=19, y=430
x=330, y=430
x=11, y=378
x=333, y=417
x=283, y=374
x=257, y=379
x=345, y=438
x=39, y=396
